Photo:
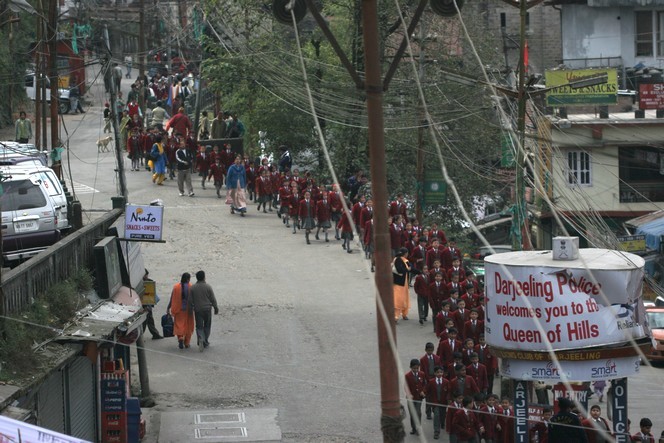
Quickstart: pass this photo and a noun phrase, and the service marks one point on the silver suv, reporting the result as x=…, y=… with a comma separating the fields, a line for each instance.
x=29, y=220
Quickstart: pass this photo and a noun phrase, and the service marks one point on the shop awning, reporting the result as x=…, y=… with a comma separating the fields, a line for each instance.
x=652, y=226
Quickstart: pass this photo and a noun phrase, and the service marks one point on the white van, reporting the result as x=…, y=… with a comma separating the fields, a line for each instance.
x=31, y=91
x=50, y=183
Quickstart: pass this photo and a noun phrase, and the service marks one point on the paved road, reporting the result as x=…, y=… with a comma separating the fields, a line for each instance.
x=296, y=330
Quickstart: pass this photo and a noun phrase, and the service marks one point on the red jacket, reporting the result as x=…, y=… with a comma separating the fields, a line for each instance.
x=433, y=398
x=263, y=186
x=180, y=124
x=470, y=331
x=418, y=257
x=355, y=211
x=445, y=351
x=465, y=424
x=421, y=285
x=397, y=208
x=307, y=211
x=368, y=232
x=416, y=385
x=202, y=162
x=437, y=293
x=448, y=254
x=426, y=368
x=479, y=375
x=469, y=389
x=293, y=204
x=217, y=171
x=460, y=271
x=490, y=421
x=435, y=254
x=487, y=358
x=395, y=236
x=366, y=214
x=344, y=223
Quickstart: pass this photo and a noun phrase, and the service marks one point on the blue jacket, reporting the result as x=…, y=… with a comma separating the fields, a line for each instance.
x=236, y=172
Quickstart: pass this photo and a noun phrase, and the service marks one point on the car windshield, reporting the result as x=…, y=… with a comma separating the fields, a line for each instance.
x=21, y=194
x=656, y=320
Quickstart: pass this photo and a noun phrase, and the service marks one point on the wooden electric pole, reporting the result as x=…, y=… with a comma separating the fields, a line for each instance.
x=53, y=70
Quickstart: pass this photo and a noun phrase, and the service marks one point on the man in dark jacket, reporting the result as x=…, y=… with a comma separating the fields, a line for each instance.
x=202, y=300
x=566, y=426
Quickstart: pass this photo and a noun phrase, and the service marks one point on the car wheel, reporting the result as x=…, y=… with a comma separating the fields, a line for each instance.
x=63, y=107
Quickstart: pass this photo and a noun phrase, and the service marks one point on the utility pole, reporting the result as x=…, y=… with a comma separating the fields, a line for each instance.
x=419, y=174
x=116, y=125
x=389, y=373
x=38, y=82
x=53, y=74
x=141, y=43
x=43, y=24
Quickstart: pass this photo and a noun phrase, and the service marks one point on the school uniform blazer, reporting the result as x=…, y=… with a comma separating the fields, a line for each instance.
x=469, y=389
x=344, y=223
x=591, y=433
x=418, y=257
x=415, y=386
x=323, y=210
x=440, y=234
x=366, y=214
x=445, y=351
x=465, y=424
x=490, y=421
x=397, y=208
x=487, y=358
x=424, y=364
x=437, y=293
x=368, y=232
x=474, y=333
x=395, y=236
x=459, y=286
x=448, y=255
x=460, y=320
x=307, y=212
x=435, y=254
x=479, y=375
x=355, y=212
x=293, y=204
x=460, y=271
x=440, y=323
x=432, y=392
x=421, y=285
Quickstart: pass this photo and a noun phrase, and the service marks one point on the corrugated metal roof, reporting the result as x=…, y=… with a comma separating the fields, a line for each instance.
x=99, y=322
x=638, y=221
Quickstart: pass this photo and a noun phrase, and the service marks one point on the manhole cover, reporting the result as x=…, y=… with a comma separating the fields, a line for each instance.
x=220, y=432
x=235, y=417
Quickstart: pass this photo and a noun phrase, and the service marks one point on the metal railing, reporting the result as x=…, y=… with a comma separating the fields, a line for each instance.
x=25, y=283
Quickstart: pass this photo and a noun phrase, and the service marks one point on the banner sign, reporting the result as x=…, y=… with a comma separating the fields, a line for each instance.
x=144, y=222
x=566, y=93
x=17, y=431
x=589, y=370
x=521, y=412
x=619, y=410
x=651, y=96
x=435, y=188
x=534, y=303
x=632, y=243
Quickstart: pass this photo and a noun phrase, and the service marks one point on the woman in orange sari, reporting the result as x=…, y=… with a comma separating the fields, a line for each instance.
x=180, y=308
x=401, y=270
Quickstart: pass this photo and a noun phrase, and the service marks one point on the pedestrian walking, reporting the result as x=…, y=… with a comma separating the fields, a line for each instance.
x=566, y=426
x=203, y=301
x=401, y=271
x=183, y=159
x=107, y=118
x=236, y=181
x=158, y=159
x=416, y=385
x=181, y=309
x=23, y=128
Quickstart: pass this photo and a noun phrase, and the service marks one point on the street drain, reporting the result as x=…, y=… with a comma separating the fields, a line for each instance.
x=234, y=417
x=220, y=432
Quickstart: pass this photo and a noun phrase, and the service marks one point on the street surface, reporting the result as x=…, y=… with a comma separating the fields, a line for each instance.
x=297, y=325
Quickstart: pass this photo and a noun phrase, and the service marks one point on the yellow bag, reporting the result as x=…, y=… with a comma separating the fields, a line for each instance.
x=150, y=164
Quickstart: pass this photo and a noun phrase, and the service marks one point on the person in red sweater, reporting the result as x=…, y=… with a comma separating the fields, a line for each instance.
x=180, y=123
x=416, y=385
x=421, y=286
x=217, y=172
x=203, y=164
x=323, y=215
x=345, y=226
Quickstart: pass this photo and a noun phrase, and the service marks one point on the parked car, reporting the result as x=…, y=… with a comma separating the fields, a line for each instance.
x=31, y=91
x=49, y=181
x=29, y=220
x=13, y=153
x=656, y=321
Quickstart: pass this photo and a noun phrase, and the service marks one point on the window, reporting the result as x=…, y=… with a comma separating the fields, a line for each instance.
x=643, y=33
x=649, y=33
x=578, y=168
x=21, y=195
x=641, y=172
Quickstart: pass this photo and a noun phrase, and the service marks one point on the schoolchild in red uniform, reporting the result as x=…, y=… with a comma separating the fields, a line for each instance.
x=434, y=232
x=438, y=392
x=506, y=420
x=434, y=253
x=336, y=208
x=449, y=253
x=134, y=148
x=203, y=164
x=437, y=293
x=369, y=243
x=415, y=385
x=487, y=358
x=465, y=423
x=468, y=350
x=398, y=207
x=421, y=286
x=473, y=327
x=418, y=255
x=356, y=210
x=455, y=405
x=447, y=348
x=461, y=316
x=148, y=142
x=395, y=235
x=264, y=191
x=172, y=145
x=307, y=215
x=491, y=411
x=294, y=205
x=478, y=372
x=346, y=229
x=456, y=268
x=323, y=215
x=275, y=181
x=454, y=285
x=463, y=383
x=251, y=173
x=217, y=172
x=284, y=196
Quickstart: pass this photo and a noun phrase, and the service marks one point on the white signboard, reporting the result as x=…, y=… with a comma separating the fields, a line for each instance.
x=144, y=222
x=533, y=301
x=15, y=431
x=589, y=370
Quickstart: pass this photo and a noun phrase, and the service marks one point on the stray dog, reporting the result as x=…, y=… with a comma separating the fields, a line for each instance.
x=102, y=144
